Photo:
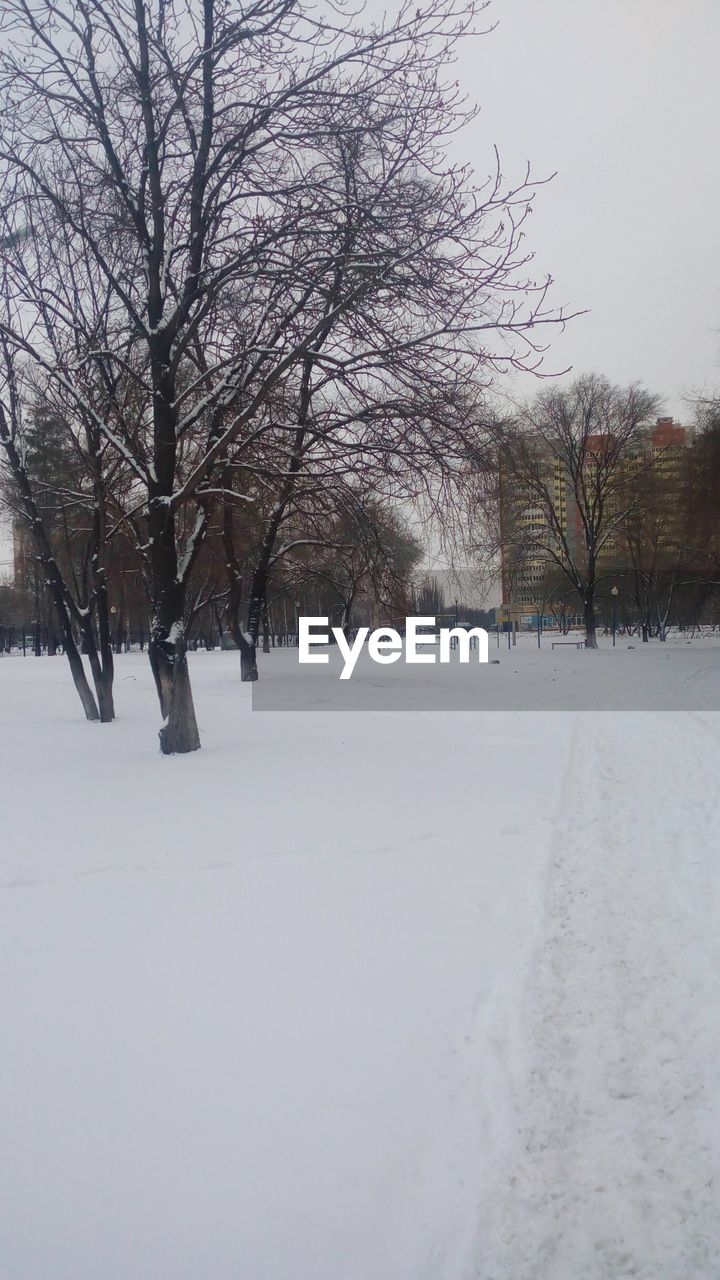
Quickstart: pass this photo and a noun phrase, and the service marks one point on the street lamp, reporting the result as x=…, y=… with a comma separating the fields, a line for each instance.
x=614, y=594
x=456, y=613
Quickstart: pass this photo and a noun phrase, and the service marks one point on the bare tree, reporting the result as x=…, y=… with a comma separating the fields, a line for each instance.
x=430, y=598
x=364, y=441
x=568, y=482
x=650, y=554
x=169, y=168
x=369, y=555
x=700, y=532
x=56, y=492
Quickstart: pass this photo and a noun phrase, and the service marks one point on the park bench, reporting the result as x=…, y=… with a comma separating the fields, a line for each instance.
x=579, y=644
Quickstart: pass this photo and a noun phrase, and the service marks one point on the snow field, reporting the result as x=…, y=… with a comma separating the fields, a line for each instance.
x=371, y=996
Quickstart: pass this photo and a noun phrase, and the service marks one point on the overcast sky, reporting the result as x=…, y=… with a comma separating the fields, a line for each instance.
x=622, y=98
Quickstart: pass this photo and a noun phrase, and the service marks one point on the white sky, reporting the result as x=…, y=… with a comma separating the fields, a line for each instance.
x=622, y=98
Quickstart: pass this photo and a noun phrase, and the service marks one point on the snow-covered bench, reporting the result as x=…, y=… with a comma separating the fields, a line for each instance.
x=579, y=644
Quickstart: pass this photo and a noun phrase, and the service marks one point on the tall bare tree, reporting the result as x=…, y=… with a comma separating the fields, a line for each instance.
x=202, y=203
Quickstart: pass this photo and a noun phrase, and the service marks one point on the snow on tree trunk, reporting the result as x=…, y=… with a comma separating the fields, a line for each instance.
x=101, y=660
x=168, y=661
x=248, y=657
x=179, y=734
x=248, y=639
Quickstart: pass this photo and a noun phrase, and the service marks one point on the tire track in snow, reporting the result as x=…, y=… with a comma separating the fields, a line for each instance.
x=613, y=1170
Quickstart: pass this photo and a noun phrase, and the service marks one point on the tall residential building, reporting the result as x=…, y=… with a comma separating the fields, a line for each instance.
x=526, y=530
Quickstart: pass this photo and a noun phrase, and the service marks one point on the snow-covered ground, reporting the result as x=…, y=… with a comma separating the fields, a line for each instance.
x=680, y=674
x=364, y=996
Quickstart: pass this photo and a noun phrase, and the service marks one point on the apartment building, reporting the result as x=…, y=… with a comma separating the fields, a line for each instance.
x=528, y=534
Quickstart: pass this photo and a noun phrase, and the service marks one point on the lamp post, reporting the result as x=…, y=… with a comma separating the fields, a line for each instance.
x=456, y=613
x=614, y=594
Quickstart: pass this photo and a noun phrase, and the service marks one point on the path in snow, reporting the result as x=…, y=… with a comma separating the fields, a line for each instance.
x=613, y=1169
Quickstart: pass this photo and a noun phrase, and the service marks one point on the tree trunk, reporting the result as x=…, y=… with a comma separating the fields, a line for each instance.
x=257, y=608
x=106, y=702
x=168, y=662
x=80, y=680
x=179, y=734
x=167, y=648
x=245, y=646
x=248, y=650
x=590, y=623
x=248, y=657
x=72, y=653
x=346, y=617
x=59, y=592
x=105, y=688
x=102, y=674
